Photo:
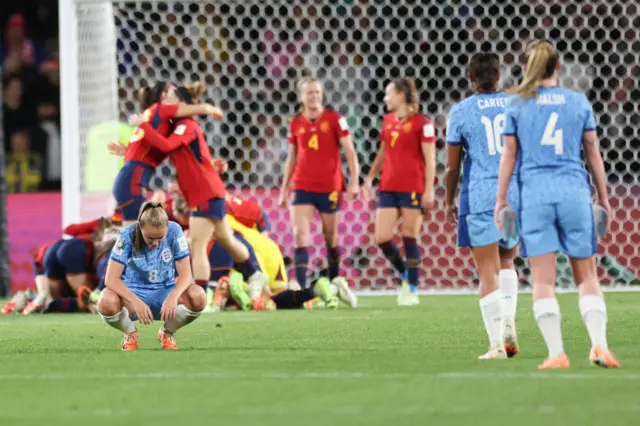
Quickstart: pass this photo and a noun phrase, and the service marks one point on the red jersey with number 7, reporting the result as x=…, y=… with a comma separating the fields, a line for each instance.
x=189, y=153
x=139, y=149
x=403, y=166
x=319, y=165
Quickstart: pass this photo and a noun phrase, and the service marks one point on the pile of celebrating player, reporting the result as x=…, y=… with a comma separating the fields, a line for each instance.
x=521, y=156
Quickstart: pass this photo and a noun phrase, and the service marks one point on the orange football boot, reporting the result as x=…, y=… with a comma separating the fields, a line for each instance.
x=130, y=342
x=603, y=358
x=559, y=362
x=167, y=340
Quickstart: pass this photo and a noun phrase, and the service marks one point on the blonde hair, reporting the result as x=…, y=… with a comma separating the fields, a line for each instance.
x=300, y=86
x=407, y=85
x=181, y=205
x=196, y=90
x=542, y=60
x=152, y=214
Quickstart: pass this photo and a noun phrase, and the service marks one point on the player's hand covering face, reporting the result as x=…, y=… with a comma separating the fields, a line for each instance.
x=153, y=236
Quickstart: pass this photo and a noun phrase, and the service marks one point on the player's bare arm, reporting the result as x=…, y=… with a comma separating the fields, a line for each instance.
x=289, y=167
x=183, y=281
x=114, y=283
x=507, y=165
x=429, y=154
x=452, y=177
x=352, y=164
x=596, y=165
x=373, y=172
x=117, y=148
x=186, y=110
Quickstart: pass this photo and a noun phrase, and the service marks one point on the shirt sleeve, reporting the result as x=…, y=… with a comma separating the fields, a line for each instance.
x=454, y=135
x=510, y=126
x=121, y=251
x=291, y=138
x=428, y=131
x=590, y=119
x=183, y=134
x=342, y=125
x=179, y=244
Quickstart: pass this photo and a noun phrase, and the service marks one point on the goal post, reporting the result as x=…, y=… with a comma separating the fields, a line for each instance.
x=250, y=53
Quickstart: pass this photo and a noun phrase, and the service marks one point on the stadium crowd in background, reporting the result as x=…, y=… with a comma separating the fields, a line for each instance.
x=31, y=95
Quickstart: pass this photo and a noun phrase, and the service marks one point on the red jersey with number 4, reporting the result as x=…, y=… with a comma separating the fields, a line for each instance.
x=319, y=166
x=247, y=212
x=403, y=166
x=139, y=149
x=189, y=153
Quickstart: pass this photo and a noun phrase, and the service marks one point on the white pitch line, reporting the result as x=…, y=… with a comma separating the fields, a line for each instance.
x=320, y=375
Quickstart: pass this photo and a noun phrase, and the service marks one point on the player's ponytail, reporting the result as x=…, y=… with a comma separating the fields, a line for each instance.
x=148, y=96
x=151, y=214
x=542, y=61
x=196, y=90
x=407, y=85
x=484, y=72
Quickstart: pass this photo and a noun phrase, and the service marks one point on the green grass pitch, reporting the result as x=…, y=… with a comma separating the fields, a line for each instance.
x=376, y=365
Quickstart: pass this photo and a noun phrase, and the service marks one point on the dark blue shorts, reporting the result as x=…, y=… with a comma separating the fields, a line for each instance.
x=405, y=200
x=75, y=256
x=221, y=262
x=324, y=202
x=50, y=267
x=211, y=209
x=130, y=186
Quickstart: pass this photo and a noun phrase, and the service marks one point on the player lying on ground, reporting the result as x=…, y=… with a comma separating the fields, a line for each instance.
x=313, y=172
x=204, y=191
x=149, y=278
x=160, y=105
x=547, y=128
x=408, y=162
x=70, y=264
x=475, y=132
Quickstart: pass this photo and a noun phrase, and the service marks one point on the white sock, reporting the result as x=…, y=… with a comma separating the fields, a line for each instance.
x=120, y=321
x=508, y=279
x=547, y=315
x=492, y=309
x=594, y=313
x=334, y=289
x=182, y=317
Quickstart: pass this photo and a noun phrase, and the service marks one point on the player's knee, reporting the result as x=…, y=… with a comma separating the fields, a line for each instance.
x=196, y=298
x=109, y=303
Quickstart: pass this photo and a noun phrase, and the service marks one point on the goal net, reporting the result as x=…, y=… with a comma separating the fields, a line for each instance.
x=250, y=53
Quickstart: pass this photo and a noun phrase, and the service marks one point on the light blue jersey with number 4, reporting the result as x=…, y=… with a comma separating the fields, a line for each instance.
x=477, y=123
x=550, y=130
x=151, y=268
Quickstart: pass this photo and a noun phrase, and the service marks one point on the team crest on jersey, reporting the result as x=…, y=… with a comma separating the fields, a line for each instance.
x=324, y=126
x=119, y=247
x=166, y=255
x=389, y=127
x=406, y=127
x=301, y=131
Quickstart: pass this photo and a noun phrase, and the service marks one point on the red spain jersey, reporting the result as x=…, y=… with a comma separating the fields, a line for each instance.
x=247, y=212
x=189, y=153
x=403, y=166
x=319, y=166
x=139, y=149
x=82, y=229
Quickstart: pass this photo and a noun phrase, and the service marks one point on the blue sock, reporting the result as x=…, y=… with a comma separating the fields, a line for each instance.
x=392, y=253
x=301, y=265
x=290, y=299
x=413, y=262
x=63, y=304
x=333, y=261
x=246, y=268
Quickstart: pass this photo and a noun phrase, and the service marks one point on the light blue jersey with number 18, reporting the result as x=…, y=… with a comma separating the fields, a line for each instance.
x=477, y=123
x=150, y=268
x=550, y=129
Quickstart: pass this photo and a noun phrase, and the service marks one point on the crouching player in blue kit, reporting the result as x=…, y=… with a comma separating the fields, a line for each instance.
x=149, y=277
x=548, y=127
x=475, y=129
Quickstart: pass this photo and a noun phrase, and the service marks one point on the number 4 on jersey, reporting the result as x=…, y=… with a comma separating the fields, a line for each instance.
x=553, y=136
x=313, y=142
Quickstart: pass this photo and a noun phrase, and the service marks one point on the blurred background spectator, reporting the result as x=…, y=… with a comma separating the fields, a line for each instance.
x=31, y=94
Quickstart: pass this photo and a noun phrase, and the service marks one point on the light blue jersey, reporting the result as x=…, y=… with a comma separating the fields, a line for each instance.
x=550, y=129
x=477, y=123
x=151, y=268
